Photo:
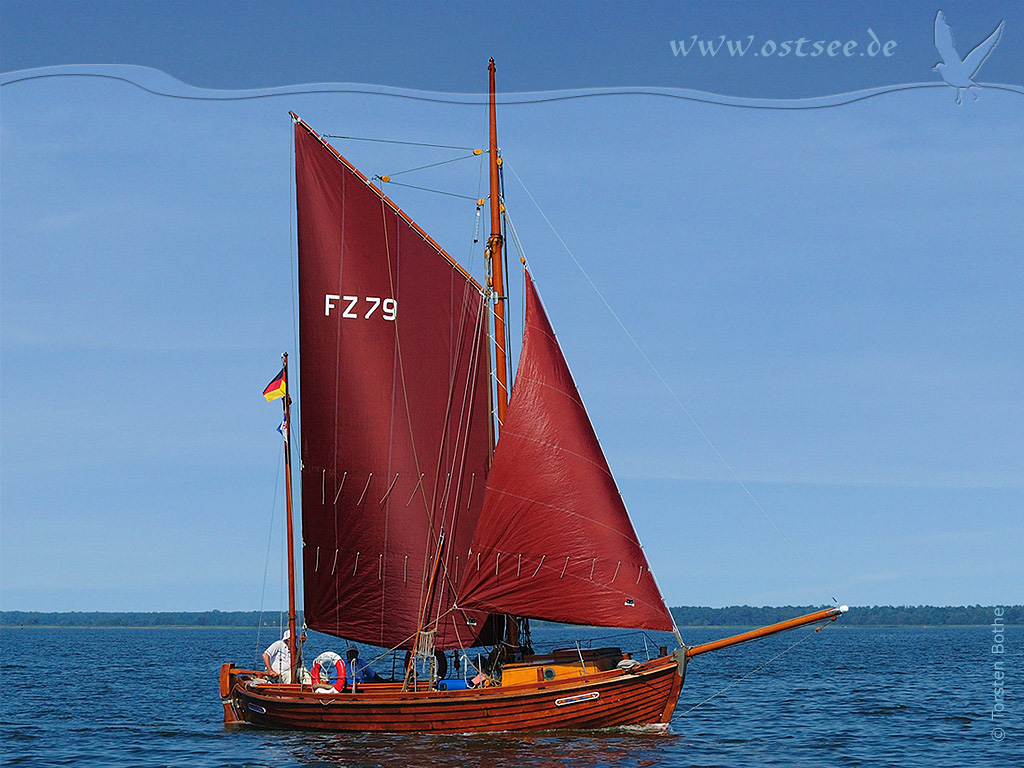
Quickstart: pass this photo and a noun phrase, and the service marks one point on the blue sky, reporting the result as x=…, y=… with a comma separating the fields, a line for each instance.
x=833, y=294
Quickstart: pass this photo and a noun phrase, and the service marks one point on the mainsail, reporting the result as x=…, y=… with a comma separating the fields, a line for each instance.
x=395, y=412
x=554, y=540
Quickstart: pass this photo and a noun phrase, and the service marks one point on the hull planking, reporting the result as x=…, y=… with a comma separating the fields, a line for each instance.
x=644, y=696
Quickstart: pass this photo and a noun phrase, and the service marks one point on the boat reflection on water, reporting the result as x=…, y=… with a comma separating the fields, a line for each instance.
x=633, y=746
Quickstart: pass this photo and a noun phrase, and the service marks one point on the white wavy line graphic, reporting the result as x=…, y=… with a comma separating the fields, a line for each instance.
x=159, y=83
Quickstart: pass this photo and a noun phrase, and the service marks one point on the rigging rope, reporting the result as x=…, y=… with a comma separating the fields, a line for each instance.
x=398, y=647
x=524, y=260
x=394, y=141
x=423, y=189
x=510, y=372
x=463, y=427
x=479, y=205
x=755, y=670
x=405, y=395
x=388, y=176
x=670, y=390
x=266, y=563
x=515, y=235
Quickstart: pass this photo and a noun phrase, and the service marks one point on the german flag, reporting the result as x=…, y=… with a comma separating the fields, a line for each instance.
x=276, y=388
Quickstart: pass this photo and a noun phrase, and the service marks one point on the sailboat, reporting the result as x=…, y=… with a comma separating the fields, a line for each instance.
x=440, y=511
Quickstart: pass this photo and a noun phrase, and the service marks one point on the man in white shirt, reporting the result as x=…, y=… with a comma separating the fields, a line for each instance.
x=278, y=659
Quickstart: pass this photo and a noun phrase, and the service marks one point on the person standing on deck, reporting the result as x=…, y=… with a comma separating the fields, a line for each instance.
x=278, y=659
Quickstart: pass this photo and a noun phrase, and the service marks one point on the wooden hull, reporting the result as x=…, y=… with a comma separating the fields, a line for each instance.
x=647, y=695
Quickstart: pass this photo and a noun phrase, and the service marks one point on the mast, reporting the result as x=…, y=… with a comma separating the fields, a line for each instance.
x=292, y=640
x=494, y=244
x=496, y=283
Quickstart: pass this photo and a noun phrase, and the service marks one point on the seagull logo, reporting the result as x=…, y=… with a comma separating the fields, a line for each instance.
x=959, y=73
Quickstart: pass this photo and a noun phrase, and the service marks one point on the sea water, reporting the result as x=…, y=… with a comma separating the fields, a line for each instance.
x=845, y=696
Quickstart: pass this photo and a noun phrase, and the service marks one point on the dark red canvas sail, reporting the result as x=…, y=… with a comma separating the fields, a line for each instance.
x=394, y=407
x=554, y=540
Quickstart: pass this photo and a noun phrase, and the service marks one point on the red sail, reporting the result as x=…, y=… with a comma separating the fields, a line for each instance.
x=395, y=413
x=554, y=539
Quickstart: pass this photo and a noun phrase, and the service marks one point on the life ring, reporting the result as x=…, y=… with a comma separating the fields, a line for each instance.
x=439, y=657
x=329, y=670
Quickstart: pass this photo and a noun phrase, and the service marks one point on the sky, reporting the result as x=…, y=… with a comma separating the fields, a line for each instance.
x=794, y=316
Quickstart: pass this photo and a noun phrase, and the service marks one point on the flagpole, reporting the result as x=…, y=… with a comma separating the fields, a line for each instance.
x=292, y=639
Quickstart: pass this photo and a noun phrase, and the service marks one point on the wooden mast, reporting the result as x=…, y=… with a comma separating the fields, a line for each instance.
x=496, y=283
x=494, y=244
x=292, y=639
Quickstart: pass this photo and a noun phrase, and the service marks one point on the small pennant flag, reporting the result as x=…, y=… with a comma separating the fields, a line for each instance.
x=276, y=388
x=283, y=429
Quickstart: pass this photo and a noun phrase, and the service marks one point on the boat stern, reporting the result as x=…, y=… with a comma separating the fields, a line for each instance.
x=230, y=676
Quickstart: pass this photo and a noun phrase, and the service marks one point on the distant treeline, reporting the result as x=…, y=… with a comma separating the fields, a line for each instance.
x=141, y=619
x=859, y=616
x=740, y=616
